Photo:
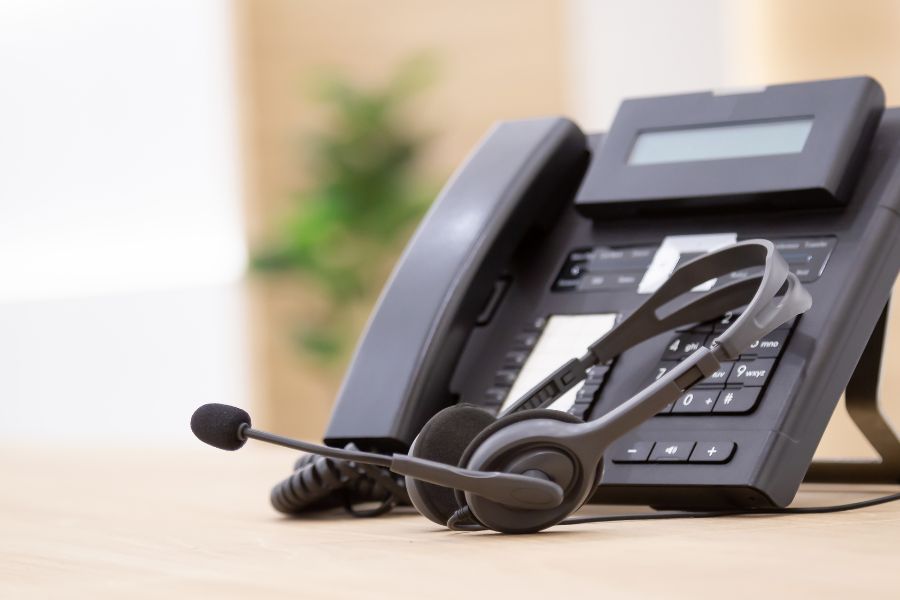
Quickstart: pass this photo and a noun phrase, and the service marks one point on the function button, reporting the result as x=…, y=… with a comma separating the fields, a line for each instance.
x=636, y=452
x=506, y=377
x=526, y=340
x=806, y=257
x=494, y=396
x=805, y=274
x=593, y=282
x=626, y=280
x=712, y=452
x=725, y=321
x=642, y=255
x=769, y=346
x=565, y=285
x=696, y=402
x=581, y=254
x=636, y=258
x=683, y=345
x=752, y=373
x=671, y=451
x=737, y=400
x=662, y=368
x=537, y=324
x=515, y=358
x=572, y=270
x=823, y=243
x=719, y=377
x=738, y=275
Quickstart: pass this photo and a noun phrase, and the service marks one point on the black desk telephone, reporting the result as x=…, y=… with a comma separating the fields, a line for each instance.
x=546, y=238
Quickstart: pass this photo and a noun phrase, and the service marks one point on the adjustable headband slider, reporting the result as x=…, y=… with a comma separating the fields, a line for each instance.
x=697, y=367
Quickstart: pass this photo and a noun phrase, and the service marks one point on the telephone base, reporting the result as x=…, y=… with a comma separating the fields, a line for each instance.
x=861, y=400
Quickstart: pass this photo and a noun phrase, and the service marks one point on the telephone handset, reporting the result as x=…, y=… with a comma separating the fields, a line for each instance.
x=547, y=238
x=520, y=174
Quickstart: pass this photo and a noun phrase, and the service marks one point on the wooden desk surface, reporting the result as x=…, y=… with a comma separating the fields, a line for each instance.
x=195, y=523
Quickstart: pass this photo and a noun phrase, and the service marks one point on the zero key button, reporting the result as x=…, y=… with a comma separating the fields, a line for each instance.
x=753, y=373
x=696, y=401
x=712, y=452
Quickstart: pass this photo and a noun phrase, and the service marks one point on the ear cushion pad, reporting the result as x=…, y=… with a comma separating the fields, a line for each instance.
x=498, y=424
x=443, y=439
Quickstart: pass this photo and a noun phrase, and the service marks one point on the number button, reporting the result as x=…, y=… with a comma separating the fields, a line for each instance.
x=696, y=402
x=719, y=377
x=752, y=373
x=769, y=346
x=683, y=345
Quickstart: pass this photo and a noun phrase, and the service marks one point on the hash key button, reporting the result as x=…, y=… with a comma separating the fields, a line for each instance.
x=712, y=452
x=636, y=452
x=737, y=400
x=671, y=451
x=752, y=373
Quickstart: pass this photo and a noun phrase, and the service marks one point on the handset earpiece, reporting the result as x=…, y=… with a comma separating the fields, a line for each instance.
x=570, y=453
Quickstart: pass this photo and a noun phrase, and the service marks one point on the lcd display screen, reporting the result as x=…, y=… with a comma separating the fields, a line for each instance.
x=717, y=142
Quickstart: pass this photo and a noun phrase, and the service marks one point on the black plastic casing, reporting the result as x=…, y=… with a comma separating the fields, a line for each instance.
x=407, y=366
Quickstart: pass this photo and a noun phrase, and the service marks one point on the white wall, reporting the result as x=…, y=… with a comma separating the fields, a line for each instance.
x=120, y=232
x=621, y=49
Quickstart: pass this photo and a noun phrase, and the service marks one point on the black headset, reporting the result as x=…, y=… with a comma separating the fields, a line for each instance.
x=532, y=467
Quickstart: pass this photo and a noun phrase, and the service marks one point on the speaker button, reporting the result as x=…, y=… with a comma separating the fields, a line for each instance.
x=671, y=451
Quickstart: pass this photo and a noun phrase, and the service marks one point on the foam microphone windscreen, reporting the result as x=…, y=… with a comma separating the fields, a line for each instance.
x=218, y=425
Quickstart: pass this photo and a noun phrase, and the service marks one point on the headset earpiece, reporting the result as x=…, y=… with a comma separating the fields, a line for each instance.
x=531, y=442
x=444, y=438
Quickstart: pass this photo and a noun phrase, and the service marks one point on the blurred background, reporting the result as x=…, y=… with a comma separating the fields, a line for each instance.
x=181, y=209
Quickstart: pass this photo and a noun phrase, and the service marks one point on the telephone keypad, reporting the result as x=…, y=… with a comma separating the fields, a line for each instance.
x=736, y=386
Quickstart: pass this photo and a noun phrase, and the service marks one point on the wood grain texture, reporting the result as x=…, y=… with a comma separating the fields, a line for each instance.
x=194, y=522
